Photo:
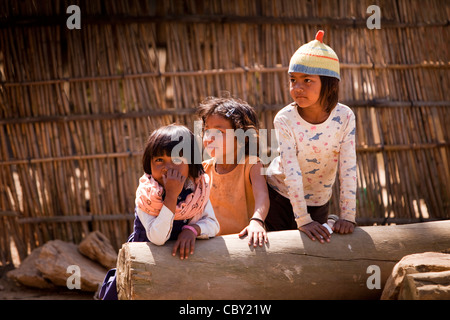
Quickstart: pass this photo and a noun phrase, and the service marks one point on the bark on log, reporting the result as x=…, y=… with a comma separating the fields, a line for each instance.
x=290, y=266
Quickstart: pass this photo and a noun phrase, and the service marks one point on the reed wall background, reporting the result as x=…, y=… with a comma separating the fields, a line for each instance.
x=76, y=106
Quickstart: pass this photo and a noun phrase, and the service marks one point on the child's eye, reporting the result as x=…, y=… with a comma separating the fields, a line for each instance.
x=308, y=80
x=292, y=80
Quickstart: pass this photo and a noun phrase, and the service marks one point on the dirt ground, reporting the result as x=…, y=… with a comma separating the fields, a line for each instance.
x=9, y=290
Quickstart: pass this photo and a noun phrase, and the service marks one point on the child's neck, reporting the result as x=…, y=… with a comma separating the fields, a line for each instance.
x=313, y=114
x=222, y=168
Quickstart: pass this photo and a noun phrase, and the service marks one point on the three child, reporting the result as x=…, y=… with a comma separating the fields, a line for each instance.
x=178, y=199
x=316, y=137
x=182, y=200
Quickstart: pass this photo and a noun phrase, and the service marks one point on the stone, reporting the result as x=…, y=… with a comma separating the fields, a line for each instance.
x=421, y=276
x=57, y=256
x=97, y=247
x=27, y=274
x=426, y=286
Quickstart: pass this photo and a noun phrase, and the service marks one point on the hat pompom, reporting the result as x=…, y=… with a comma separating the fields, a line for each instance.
x=319, y=35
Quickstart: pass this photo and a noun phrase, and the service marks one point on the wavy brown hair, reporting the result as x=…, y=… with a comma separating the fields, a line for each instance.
x=238, y=112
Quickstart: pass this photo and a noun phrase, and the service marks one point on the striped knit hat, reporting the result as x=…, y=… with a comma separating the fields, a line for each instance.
x=316, y=58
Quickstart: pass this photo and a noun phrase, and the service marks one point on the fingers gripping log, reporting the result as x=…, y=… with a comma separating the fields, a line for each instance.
x=290, y=266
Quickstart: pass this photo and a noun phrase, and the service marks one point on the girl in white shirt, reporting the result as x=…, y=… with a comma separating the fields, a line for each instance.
x=316, y=138
x=172, y=199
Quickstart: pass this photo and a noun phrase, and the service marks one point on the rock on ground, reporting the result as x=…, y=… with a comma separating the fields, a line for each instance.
x=97, y=247
x=422, y=276
x=48, y=266
x=28, y=275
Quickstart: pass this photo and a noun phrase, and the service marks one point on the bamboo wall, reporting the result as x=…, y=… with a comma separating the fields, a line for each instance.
x=77, y=105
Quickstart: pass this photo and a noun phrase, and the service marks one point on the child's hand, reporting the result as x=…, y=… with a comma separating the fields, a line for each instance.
x=343, y=226
x=315, y=230
x=173, y=182
x=186, y=243
x=256, y=233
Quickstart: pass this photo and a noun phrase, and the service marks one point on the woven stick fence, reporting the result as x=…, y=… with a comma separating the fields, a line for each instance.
x=76, y=106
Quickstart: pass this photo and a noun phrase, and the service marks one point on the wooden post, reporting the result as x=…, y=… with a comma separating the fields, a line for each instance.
x=290, y=266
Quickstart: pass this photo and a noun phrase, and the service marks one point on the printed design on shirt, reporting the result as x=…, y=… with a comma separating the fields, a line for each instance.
x=313, y=160
x=337, y=119
x=316, y=136
x=353, y=131
x=316, y=149
x=301, y=135
x=312, y=171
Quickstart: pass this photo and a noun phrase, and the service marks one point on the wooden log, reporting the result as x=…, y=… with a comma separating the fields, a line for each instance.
x=290, y=266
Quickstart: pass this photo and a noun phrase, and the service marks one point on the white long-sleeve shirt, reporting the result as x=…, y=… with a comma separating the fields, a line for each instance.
x=310, y=156
x=158, y=228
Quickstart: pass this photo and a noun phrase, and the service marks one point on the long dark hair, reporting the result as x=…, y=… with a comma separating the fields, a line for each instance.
x=329, y=92
x=162, y=142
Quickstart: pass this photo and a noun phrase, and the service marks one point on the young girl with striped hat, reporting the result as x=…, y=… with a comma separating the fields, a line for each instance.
x=316, y=138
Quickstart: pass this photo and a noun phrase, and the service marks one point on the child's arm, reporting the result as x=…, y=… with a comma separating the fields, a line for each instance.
x=157, y=228
x=256, y=232
x=293, y=180
x=205, y=227
x=347, y=178
x=287, y=148
x=208, y=224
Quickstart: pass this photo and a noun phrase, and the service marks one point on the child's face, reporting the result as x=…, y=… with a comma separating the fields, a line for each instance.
x=160, y=165
x=215, y=137
x=305, y=89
